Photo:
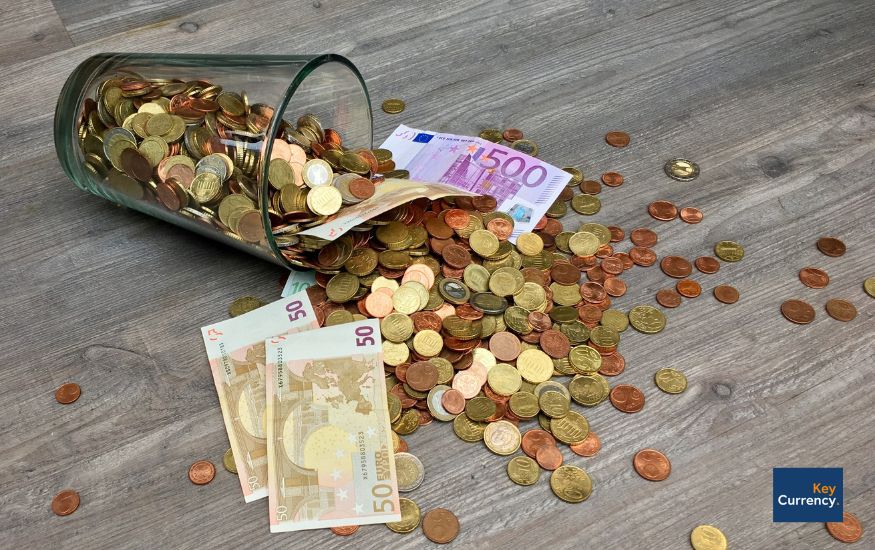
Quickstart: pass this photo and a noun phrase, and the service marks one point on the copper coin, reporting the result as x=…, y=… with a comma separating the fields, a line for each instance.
x=614, y=287
x=590, y=187
x=422, y=376
x=424, y=320
x=565, y=274
x=361, y=188
x=707, y=264
x=612, y=179
x=831, y=246
x=505, y=346
x=453, y=401
x=662, y=210
x=512, y=134
x=402, y=445
x=456, y=218
x=643, y=237
x=437, y=228
x=589, y=315
x=797, y=311
x=67, y=393
x=501, y=228
x=65, y=502
x=847, y=530
x=379, y=304
x=592, y=292
x=726, y=294
x=466, y=311
x=675, y=266
x=612, y=265
x=549, y=457
x=344, y=530
x=136, y=165
x=691, y=215
x=841, y=310
x=688, y=288
x=651, y=464
x=615, y=138
x=627, y=399
x=668, y=297
x=813, y=277
x=555, y=344
x=425, y=417
x=540, y=321
x=617, y=234
x=535, y=439
x=642, y=256
x=201, y=472
x=612, y=364
x=456, y=256
x=484, y=203
x=588, y=447
x=440, y=526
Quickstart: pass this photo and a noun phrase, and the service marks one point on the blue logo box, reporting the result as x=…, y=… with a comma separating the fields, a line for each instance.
x=807, y=494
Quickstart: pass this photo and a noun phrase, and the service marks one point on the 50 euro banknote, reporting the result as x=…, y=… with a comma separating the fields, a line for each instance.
x=330, y=454
x=236, y=351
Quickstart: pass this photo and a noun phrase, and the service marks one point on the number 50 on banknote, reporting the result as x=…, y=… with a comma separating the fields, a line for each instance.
x=330, y=458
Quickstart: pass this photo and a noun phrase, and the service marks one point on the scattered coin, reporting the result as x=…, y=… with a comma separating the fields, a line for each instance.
x=729, y=251
x=831, y=246
x=589, y=446
x=525, y=146
x=67, y=393
x=491, y=134
x=652, y=464
x=228, y=461
x=65, y=503
x=668, y=297
x=869, y=286
x=841, y=310
x=681, y=169
x=688, y=288
x=670, y=380
x=663, y=210
x=440, y=525
x=708, y=537
x=512, y=134
x=612, y=179
x=813, y=277
x=410, y=517
x=409, y=471
x=707, y=264
x=393, y=106
x=344, y=530
x=691, y=215
x=616, y=138
x=797, y=311
x=523, y=470
x=627, y=399
x=201, y=472
x=571, y=484
x=726, y=294
x=244, y=305
x=848, y=530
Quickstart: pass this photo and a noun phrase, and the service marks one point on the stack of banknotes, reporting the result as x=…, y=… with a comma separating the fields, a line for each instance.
x=306, y=413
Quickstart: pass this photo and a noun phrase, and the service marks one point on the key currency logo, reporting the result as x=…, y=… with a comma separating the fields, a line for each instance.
x=807, y=494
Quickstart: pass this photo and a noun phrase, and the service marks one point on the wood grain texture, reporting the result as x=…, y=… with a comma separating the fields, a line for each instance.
x=774, y=99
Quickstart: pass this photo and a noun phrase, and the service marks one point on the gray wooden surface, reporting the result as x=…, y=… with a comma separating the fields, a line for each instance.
x=774, y=98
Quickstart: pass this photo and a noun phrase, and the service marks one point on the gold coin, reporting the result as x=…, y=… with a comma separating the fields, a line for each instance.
x=228, y=461
x=468, y=430
x=406, y=300
x=597, y=229
x=589, y=389
x=708, y=537
x=479, y=409
x=393, y=106
x=502, y=437
x=729, y=251
x=615, y=319
x=869, y=286
x=324, y=200
x=585, y=359
x=604, y=336
x=571, y=483
x=342, y=287
x=280, y=173
x=534, y=366
x=396, y=327
x=491, y=134
x=529, y=244
x=408, y=423
x=576, y=175
x=583, y=243
x=523, y=404
x=395, y=354
x=244, y=305
x=670, y=380
x=681, y=169
x=394, y=405
x=647, y=319
x=428, y=343
x=506, y=281
x=570, y=429
x=554, y=404
x=523, y=470
x=483, y=242
x=503, y=379
x=586, y=204
x=410, y=515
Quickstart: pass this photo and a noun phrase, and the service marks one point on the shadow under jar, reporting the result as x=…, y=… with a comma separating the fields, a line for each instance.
x=209, y=142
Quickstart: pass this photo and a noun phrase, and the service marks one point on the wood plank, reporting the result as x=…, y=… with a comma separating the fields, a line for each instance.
x=29, y=30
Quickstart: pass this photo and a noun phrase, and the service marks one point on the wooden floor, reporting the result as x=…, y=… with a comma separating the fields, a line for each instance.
x=775, y=99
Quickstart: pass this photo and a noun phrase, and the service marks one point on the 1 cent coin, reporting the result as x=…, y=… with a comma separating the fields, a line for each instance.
x=615, y=138
x=68, y=393
x=691, y=215
x=831, y=246
x=813, y=277
x=440, y=525
x=549, y=457
x=797, y=311
x=847, y=530
x=668, y=297
x=344, y=530
x=662, y=210
x=707, y=264
x=726, y=294
x=588, y=447
x=652, y=464
x=201, y=472
x=627, y=398
x=841, y=310
x=65, y=502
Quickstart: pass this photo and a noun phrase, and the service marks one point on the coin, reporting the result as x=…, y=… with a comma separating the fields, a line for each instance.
x=491, y=134
x=409, y=471
x=244, y=305
x=847, y=530
x=831, y=246
x=525, y=146
x=201, y=472
x=869, y=286
x=502, y=437
x=228, y=461
x=729, y=251
x=588, y=447
x=410, y=516
x=841, y=310
x=67, y=393
x=615, y=138
x=643, y=237
x=393, y=106
x=344, y=530
x=681, y=169
x=707, y=264
x=652, y=465
x=440, y=526
x=688, y=288
x=533, y=440
x=670, y=380
x=522, y=470
x=65, y=503
x=512, y=134
x=708, y=537
x=571, y=484
x=549, y=457
x=612, y=179
x=726, y=294
x=627, y=399
x=691, y=215
x=646, y=319
x=668, y=297
x=813, y=277
x=797, y=311
x=662, y=210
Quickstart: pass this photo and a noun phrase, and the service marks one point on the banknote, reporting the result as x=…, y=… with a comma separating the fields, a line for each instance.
x=329, y=444
x=298, y=281
x=524, y=186
x=390, y=193
x=237, y=359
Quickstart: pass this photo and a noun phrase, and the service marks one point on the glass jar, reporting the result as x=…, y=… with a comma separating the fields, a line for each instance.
x=186, y=138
